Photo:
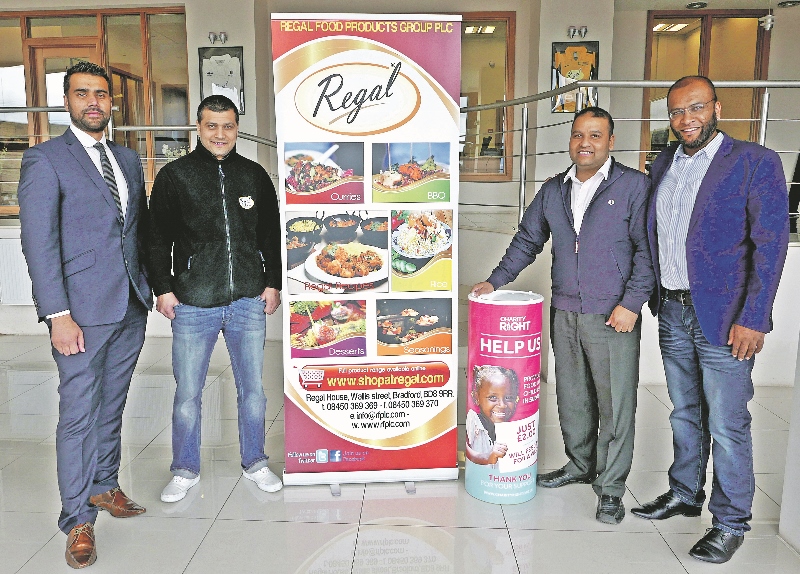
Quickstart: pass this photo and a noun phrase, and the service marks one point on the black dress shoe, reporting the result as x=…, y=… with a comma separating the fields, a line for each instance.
x=610, y=509
x=561, y=477
x=665, y=506
x=716, y=546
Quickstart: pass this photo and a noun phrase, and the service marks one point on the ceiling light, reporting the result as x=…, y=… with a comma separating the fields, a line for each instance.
x=470, y=29
x=696, y=5
x=788, y=3
x=488, y=30
x=660, y=27
x=676, y=27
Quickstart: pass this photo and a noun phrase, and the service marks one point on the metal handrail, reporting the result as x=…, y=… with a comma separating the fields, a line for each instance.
x=763, y=116
x=753, y=84
x=626, y=84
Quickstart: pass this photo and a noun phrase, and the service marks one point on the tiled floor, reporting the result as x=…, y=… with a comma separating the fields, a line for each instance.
x=226, y=524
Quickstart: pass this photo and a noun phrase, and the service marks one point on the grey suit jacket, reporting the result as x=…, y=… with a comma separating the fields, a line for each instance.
x=80, y=255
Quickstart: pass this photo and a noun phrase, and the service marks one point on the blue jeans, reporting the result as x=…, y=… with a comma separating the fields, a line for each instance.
x=709, y=389
x=194, y=333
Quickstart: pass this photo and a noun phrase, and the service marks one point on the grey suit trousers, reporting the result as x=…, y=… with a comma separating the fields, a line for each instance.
x=93, y=388
x=597, y=376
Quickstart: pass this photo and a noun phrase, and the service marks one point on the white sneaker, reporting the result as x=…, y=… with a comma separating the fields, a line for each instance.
x=265, y=479
x=177, y=487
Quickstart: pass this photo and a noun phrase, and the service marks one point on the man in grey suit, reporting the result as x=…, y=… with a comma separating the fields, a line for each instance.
x=595, y=213
x=82, y=206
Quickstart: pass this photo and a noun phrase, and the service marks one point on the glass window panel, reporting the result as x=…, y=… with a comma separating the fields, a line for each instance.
x=13, y=126
x=733, y=57
x=124, y=49
x=675, y=53
x=483, y=81
x=169, y=84
x=62, y=26
x=55, y=69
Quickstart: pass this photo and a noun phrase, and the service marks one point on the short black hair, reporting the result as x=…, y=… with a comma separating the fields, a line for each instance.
x=688, y=80
x=597, y=113
x=86, y=68
x=216, y=103
x=482, y=372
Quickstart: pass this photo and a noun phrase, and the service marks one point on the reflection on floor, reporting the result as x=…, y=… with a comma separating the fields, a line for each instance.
x=226, y=524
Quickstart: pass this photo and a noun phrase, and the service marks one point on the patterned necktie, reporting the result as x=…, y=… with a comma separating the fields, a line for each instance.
x=108, y=175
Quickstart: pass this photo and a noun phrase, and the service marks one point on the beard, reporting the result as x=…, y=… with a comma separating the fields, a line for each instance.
x=707, y=133
x=91, y=126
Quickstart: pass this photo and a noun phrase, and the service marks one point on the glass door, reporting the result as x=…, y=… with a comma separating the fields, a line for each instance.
x=723, y=45
x=48, y=66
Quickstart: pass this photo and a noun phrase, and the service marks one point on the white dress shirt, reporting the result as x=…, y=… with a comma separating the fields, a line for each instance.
x=88, y=143
x=583, y=191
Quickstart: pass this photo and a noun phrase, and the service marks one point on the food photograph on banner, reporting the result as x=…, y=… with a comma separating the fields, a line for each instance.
x=327, y=172
x=367, y=117
x=414, y=326
x=398, y=176
x=328, y=328
x=422, y=250
x=344, y=252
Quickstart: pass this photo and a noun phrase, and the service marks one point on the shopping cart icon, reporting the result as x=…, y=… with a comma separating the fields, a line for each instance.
x=311, y=377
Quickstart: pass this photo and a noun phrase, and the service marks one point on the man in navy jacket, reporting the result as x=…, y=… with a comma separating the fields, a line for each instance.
x=602, y=276
x=83, y=212
x=718, y=225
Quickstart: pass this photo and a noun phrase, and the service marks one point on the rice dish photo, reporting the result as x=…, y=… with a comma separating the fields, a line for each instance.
x=422, y=235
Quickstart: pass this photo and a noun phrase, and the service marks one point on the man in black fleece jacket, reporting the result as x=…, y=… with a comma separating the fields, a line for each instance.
x=215, y=266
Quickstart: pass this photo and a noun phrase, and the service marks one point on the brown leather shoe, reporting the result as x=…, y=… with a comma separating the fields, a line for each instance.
x=116, y=503
x=80, y=546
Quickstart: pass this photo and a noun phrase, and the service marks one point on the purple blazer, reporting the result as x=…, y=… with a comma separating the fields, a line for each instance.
x=737, y=240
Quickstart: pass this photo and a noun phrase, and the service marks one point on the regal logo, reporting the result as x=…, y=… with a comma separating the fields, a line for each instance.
x=358, y=99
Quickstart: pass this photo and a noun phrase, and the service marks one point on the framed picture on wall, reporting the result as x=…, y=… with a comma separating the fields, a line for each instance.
x=573, y=61
x=222, y=72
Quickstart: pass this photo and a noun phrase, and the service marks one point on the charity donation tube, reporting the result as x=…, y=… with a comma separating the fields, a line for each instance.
x=503, y=366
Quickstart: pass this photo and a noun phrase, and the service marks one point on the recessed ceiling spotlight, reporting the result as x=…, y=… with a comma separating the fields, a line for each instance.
x=696, y=5
x=788, y=3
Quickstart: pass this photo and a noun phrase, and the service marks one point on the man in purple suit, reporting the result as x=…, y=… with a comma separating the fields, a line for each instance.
x=718, y=224
x=82, y=203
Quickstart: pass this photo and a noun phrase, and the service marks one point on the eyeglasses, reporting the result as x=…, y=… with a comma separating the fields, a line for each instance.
x=694, y=109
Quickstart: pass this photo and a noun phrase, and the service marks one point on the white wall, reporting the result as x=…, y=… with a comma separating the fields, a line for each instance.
x=785, y=103
x=556, y=17
x=789, y=525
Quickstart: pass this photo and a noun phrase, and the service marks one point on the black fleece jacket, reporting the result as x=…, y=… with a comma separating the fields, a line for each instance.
x=210, y=243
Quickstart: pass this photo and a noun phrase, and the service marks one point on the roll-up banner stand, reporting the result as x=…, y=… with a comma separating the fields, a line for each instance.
x=503, y=368
x=367, y=121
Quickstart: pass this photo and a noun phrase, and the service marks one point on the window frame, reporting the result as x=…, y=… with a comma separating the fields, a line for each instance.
x=101, y=39
x=706, y=17
x=510, y=19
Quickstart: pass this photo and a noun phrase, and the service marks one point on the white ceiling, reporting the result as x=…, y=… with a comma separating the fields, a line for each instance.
x=681, y=4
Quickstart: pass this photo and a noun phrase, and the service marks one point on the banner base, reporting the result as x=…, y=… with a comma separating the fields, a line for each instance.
x=359, y=476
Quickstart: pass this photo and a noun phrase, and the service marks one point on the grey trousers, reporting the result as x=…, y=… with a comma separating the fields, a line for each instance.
x=597, y=374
